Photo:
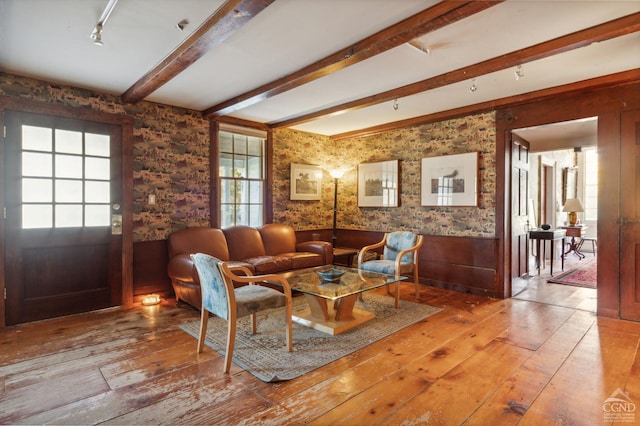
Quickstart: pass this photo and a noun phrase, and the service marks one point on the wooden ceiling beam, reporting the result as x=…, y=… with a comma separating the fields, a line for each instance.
x=611, y=80
x=431, y=19
x=229, y=18
x=612, y=29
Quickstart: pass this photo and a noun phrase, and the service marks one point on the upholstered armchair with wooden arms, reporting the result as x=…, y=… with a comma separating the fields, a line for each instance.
x=399, y=257
x=221, y=298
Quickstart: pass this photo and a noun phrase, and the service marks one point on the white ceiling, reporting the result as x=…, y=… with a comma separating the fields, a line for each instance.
x=49, y=39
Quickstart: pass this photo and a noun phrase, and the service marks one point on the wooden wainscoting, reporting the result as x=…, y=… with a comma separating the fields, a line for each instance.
x=466, y=264
x=150, y=260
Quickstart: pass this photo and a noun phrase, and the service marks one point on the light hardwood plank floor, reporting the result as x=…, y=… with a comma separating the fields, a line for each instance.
x=480, y=361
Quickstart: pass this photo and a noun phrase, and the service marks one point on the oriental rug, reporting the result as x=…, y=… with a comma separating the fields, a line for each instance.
x=585, y=274
x=266, y=357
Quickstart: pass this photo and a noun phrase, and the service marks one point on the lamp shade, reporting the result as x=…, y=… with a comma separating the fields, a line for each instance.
x=573, y=205
x=336, y=173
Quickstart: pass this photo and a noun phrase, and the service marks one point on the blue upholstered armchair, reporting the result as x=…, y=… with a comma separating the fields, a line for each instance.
x=399, y=257
x=221, y=298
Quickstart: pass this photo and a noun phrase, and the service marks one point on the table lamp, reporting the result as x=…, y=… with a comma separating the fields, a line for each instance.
x=573, y=205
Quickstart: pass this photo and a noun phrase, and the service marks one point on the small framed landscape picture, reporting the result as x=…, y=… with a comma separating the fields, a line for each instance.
x=378, y=184
x=306, y=182
x=450, y=180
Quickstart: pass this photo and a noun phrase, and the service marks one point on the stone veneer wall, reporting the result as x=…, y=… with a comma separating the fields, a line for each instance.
x=171, y=154
x=410, y=145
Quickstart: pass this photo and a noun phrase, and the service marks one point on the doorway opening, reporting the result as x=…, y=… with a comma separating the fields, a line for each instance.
x=563, y=165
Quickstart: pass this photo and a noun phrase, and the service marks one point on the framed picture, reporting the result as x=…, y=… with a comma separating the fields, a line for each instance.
x=306, y=182
x=378, y=184
x=450, y=180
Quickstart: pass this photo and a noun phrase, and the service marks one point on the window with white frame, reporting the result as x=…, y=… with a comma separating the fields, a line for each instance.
x=241, y=170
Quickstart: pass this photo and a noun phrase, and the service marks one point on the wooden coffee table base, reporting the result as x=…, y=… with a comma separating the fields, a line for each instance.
x=336, y=319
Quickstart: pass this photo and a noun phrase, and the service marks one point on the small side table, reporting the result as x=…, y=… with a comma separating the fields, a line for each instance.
x=344, y=252
x=575, y=245
x=552, y=235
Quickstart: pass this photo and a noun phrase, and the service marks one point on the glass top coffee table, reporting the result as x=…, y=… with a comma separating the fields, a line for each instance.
x=332, y=303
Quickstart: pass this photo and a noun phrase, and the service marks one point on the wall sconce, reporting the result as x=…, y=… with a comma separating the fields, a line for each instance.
x=151, y=299
x=473, y=87
x=519, y=72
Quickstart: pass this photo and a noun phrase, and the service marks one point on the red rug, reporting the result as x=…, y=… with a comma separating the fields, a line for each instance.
x=585, y=274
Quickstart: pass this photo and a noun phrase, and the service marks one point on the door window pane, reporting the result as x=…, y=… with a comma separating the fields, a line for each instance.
x=68, y=141
x=37, y=216
x=97, y=168
x=68, y=191
x=36, y=164
x=97, y=192
x=98, y=145
x=69, y=166
x=97, y=215
x=68, y=215
x=36, y=138
x=37, y=191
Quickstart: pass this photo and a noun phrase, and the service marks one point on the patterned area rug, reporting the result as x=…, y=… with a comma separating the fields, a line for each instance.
x=584, y=275
x=266, y=357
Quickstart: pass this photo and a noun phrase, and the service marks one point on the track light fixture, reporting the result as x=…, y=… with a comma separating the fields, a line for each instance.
x=473, y=87
x=395, y=105
x=519, y=72
x=96, y=34
x=182, y=24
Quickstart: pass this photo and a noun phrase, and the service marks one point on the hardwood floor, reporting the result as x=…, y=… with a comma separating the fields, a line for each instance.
x=537, y=289
x=479, y=361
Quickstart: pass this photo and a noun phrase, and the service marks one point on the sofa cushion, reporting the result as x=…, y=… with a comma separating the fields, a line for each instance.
x=244, y=242
x=206, y=240
x=303, y=259
x=269, y=264
x=277, y=238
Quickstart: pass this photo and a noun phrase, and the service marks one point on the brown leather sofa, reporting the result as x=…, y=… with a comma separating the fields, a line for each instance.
x=268, y=249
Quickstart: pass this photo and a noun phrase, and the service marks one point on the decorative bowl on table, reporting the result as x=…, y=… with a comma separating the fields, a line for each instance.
x=331, y=275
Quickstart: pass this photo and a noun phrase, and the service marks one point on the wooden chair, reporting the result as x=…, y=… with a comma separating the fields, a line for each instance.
x=221, y=298
x=399, y=257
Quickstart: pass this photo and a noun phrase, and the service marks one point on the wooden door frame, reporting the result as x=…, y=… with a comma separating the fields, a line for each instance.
x=606, y=103
x=126, y=124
